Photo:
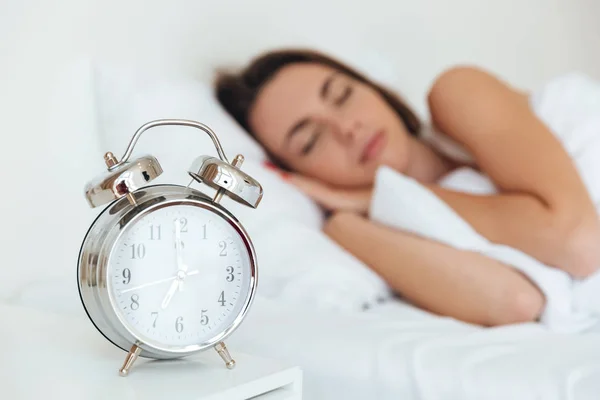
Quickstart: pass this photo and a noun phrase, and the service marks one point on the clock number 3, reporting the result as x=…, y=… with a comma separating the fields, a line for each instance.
x=229, y=274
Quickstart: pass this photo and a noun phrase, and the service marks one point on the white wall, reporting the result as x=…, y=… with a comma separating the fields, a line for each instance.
x=405, y=43
x=524, y=41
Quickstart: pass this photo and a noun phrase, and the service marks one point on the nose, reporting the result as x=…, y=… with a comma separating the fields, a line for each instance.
x=348, y=131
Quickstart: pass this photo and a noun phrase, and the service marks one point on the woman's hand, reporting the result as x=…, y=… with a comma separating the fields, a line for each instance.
x=332, y=199
x=328, y=197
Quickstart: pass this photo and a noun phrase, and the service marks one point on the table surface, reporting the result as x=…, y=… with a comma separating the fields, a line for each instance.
x=57, y=356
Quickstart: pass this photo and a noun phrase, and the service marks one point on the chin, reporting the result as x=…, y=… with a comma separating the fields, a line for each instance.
x=395, y=160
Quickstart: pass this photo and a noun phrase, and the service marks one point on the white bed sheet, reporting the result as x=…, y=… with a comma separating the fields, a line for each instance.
x=396, y=351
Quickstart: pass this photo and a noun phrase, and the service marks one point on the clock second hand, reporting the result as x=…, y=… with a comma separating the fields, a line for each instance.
x=158, y=282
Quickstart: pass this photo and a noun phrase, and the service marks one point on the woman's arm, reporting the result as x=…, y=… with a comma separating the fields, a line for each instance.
x=438, y=278
x=544, y=208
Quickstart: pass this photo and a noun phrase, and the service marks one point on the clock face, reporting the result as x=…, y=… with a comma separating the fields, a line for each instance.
x=179, y=276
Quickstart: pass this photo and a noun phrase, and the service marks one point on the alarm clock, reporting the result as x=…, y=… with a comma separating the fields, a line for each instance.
x=165, y=270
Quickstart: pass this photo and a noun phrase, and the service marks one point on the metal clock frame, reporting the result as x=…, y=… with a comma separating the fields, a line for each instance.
x=123, y=186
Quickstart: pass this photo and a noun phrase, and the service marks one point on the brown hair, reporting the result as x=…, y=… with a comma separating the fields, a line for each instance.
x=237, y=92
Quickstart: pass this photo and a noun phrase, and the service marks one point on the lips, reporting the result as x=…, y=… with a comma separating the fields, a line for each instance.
x=373, y=147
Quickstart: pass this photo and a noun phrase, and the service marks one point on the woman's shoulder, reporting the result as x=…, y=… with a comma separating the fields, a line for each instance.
x=463, y=96
x=459, y=98
x=461, y=84
x=454, y=92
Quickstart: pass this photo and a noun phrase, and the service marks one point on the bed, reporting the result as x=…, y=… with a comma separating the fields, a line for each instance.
x=393, y=351
x=350, y=342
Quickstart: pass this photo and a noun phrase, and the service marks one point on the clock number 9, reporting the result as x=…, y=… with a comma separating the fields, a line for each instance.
x=229, y=274
x=126, y=276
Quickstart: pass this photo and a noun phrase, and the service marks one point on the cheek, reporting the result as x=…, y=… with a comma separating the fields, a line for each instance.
x=396, y=151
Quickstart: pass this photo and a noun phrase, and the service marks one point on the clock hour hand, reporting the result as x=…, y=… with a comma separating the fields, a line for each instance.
x=169, y=294
x=173, y=288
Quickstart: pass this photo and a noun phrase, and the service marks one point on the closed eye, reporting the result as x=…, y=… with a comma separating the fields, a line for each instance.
x=342, y=99
x=311, y=143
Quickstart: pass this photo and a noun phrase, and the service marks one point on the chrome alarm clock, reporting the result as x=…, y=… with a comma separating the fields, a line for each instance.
x=166, y=271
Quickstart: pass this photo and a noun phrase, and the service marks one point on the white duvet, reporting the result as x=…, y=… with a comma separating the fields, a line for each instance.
x=570, y=107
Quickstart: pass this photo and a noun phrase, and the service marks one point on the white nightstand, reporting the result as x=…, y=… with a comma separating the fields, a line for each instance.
x=51, y=356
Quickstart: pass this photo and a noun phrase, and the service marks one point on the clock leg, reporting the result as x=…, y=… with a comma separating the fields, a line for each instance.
x=224, y=353
x=130, y=359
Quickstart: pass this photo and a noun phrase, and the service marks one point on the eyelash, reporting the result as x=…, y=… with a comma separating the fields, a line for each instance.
x=311, y=143
x=344, y=96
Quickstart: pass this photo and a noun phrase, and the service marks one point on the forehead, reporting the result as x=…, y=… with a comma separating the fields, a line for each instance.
x=292, y=94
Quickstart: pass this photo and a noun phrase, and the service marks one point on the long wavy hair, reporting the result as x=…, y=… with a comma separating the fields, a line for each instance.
x=237, y=91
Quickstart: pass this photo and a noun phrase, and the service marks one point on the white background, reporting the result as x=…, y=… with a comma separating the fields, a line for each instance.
x=405, y=43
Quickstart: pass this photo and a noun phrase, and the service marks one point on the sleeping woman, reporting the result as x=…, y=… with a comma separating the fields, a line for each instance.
x=327, y=129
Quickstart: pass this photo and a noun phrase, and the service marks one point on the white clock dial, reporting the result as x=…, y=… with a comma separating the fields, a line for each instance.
x=179, y=276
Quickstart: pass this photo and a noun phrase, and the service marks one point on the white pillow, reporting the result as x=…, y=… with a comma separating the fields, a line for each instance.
x=297, y=262
x=47, y=214
x=128, y=97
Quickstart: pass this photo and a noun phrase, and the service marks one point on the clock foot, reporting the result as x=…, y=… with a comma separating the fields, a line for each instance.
x=130, y=359
x=224, y=353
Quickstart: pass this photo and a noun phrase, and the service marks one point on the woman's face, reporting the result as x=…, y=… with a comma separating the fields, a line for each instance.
x=324, y=124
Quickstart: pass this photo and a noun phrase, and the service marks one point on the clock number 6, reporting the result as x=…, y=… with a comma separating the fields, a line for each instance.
x=179, y=324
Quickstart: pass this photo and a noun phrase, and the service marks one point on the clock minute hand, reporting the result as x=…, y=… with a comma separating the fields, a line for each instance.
x=178, y=244
x=179, y=252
